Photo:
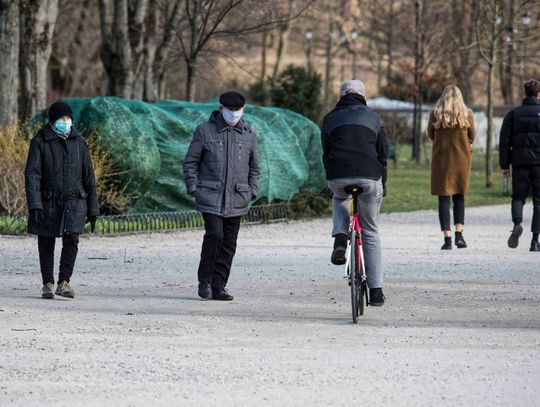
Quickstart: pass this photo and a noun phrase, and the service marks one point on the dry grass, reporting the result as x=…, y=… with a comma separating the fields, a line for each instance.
x=13, y=152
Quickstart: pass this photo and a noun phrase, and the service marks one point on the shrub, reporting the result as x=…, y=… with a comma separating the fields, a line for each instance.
x=112, y=196
x=298, y=90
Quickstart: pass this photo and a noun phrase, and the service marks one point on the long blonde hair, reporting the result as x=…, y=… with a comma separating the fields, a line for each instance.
x=450, y=111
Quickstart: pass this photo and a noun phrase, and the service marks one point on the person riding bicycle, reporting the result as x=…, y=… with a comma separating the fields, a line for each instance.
x=354, y=152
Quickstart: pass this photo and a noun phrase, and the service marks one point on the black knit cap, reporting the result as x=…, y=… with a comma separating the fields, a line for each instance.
x=58, y=110
x=232, y=99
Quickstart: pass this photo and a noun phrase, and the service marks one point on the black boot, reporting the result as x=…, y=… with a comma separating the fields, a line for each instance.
x=460, y=242
x=340, y=247
x=447, y=243
x=535, y=246
x=513, y=240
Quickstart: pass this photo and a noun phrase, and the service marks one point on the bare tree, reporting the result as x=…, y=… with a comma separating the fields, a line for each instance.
x=429, y=44
x=37, y=22
x=9, y=49
x=283, y=32
x=487, y=21
x=137, y=38
x=208, y=20
x=515, y=33
x=122, y=35
x=462, y=35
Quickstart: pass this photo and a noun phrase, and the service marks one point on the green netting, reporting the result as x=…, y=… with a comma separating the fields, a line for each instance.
x=149, y=142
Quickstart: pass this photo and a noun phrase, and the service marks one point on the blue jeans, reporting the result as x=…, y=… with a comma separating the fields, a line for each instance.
x=369, y=205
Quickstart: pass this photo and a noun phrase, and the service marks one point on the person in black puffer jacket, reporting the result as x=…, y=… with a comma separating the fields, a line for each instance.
x=519, y=147
x=354, y=152
x=61, y=195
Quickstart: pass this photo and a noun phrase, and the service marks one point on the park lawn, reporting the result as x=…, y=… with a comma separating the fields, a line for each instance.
x=409, y=190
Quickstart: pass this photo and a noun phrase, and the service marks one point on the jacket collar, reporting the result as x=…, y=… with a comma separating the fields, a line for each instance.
x=49, y=134
x=531, y=101
x=351, y=99
x=217, y=118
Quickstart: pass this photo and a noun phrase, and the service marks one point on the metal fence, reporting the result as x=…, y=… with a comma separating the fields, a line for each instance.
x=162, y=221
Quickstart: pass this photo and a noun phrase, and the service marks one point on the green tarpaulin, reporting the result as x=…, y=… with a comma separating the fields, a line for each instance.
x=149, y=141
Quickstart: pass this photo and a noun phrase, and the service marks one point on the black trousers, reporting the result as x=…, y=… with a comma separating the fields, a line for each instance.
x=218, y=249
x=526, y=179
x=444, y=210
x=70, y=247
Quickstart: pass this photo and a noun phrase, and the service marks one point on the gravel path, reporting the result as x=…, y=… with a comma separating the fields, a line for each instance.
x=459, y=327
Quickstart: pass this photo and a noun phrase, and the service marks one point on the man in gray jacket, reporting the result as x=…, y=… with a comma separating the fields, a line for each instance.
x=221, y=170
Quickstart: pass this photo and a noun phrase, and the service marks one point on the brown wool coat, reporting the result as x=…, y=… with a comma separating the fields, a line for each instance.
x=451, y=158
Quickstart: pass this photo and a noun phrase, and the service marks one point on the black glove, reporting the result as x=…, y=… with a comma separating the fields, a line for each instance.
x=92, y=221
x=37, y=215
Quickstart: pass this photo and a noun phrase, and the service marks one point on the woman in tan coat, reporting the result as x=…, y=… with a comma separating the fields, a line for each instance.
x=451, y=128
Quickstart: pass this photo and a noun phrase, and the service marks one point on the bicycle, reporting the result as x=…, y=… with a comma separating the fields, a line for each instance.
x=354, y=264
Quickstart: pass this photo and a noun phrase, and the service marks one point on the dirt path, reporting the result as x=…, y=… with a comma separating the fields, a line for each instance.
x=459, y=327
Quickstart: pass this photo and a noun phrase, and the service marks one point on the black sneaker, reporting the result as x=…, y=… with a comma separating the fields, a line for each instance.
x=221, y=294
x=535, y=246
x=340, y=247
x=376, y=297
x=513, y=240
x=205, y=291
x=459, y=241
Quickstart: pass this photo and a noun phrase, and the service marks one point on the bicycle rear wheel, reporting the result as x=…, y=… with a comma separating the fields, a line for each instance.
x=353, y=277
x=361, y=285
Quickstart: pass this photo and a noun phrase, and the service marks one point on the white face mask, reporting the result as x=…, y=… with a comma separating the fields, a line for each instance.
x=232, y=116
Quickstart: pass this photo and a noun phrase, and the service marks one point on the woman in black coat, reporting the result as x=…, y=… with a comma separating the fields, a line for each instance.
x=61, y=195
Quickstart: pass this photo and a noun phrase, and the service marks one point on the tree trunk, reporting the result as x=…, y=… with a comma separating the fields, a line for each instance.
x=390, y=44
x=9, y=49
x=418, y=6
x=509, y=85
x=263, y=54
x=282, y=43
x=73, y=70
x=122, y=49
x=37, y=22
x=150, y=86
x=163, y=50
x=491, y=78
x=191, y=79
x=463, y=19
x=124, y=79
x=489, y=136
x=329, y=63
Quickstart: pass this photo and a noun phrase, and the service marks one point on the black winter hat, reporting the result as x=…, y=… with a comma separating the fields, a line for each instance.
x=58, y=110
x=232, y=99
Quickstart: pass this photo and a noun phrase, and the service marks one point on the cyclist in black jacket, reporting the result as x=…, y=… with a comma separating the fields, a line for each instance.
x=354, y=152
x=519, y=147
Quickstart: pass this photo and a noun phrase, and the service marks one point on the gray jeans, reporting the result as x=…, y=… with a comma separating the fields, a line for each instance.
x=369, y=205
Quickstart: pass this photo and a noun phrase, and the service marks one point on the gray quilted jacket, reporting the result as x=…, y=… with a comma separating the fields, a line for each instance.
x=221, y=167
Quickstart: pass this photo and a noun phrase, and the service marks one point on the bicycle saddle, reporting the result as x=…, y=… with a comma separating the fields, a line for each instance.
x=353, y=189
